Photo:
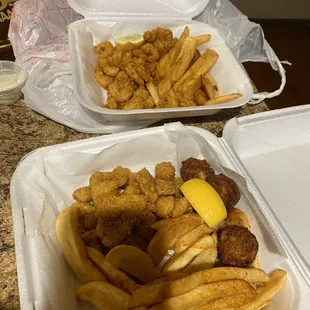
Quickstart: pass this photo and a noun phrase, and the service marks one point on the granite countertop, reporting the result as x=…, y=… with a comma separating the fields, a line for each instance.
x=21, y=131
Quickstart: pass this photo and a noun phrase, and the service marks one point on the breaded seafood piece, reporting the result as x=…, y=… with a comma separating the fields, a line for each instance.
x=147, y=184
x=165, y=171
x=165, y=187
x=177, y=184
x=238, y=247
x=120, y=173
x=102, y=189
x=196, y=168
x=165, y=206
x=117, y=215
x=181, y=206
x=227, y=189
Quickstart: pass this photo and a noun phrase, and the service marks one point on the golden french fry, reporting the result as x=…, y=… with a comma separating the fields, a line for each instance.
x=185, y=57
x=153, y=293
x=223, y=99
x=172, y=102
x=237, y=217
x=200, y=98
x=179, y=261
x=202, y=39
x=233, y=301
x=82, y=194
x=134, y=262
x=104, y=295
x=205, y=260
x=200, y=67
x=266, y=292
x=73, y=246
x=185, y=33
x=114, y=275
x=163, y=67
x=153, y=91
x=175, y=51
x=264, y=305
x=188, y=216
x=191, y=237
x=164, y=85
x=168, y=233
x=170, y=277
x=206, y=293
x=210, y=86
x=190, y=86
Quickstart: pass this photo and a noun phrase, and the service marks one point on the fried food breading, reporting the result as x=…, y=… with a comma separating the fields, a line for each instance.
x=164, y=188
x=147, y=184
x=227, y=189
x=165, y=206
x=237, y=246
x=165, y=171
x=117, y=215
x=196, y=168
x=181, y=206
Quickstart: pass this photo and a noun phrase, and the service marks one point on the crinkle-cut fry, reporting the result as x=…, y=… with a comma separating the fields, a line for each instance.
x=204, y=38
x=233, y=301
x=191, y=237
x=200, y=67
x=114, y=275
x=223, y=99
x=200, y=98
x=185, y=57
x=180, y=260
x=210, y=86
x=104, y=295
x=153, y=91
x=153, y=293
x=164, y=85
x=205, y=294
x=73, y=246
x=268, y=291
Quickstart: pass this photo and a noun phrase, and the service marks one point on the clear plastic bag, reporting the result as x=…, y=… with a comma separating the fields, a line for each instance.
x=38, y=32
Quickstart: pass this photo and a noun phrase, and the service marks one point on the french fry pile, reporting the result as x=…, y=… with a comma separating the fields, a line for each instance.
x=150, y=76
x=181, y=269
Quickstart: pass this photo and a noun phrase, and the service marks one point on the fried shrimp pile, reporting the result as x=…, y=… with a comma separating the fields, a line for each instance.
x=169, y=71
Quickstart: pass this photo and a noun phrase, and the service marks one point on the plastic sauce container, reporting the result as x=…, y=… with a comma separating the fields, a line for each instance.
x=12, y=80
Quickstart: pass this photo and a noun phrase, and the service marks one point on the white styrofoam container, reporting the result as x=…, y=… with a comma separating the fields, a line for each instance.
x=104, y=21
x=45, y=280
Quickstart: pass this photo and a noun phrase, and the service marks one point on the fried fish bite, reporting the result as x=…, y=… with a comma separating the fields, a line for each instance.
x=196, y=168
x=147, y=184
x=177, y=184
x=238, y=247
x=82, y=194
x=104, y=188
x=165, y=206
x=117, y=215
x=227, y=189
x=165, y=171
x=181, y=206
x=165, y=188
x=87, y=219
x=120, y=173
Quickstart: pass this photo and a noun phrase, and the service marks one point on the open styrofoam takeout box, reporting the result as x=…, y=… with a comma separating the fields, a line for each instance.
x=270, y=150
x=104, y=21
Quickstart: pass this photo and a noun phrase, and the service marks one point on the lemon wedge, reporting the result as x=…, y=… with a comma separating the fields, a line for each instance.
x=205, y=200
x=135, y=38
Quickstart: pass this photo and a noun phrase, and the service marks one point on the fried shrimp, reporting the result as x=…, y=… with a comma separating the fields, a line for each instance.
x=110, y=71
x=151, y=52
x=120, y=92
x=104, y=49
x=134, y=75
x=102, y=79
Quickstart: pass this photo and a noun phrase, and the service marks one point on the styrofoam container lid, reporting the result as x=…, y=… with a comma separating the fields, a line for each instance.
x=12, y=80
x=138, y=8
x=272, y=151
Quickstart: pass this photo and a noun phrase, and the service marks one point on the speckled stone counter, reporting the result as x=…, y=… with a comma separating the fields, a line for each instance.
x=21, y=131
